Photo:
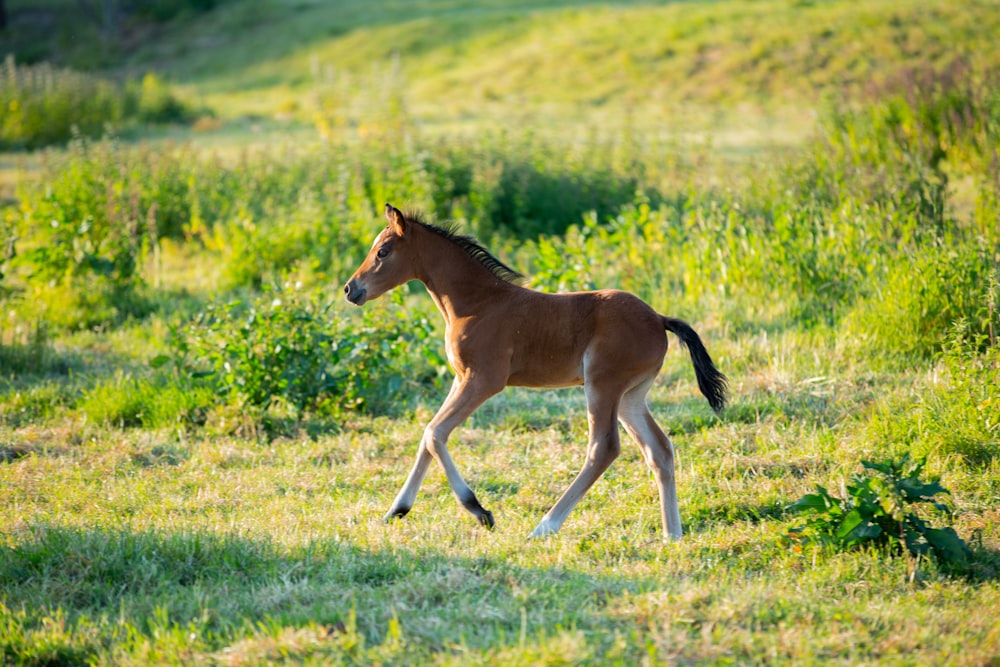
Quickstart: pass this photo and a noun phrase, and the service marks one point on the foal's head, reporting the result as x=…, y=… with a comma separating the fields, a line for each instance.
x=389, y=263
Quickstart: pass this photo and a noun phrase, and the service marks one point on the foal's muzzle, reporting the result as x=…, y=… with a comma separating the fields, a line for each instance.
x=354, y=293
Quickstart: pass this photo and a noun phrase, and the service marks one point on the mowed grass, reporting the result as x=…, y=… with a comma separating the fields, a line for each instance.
x=171, y=546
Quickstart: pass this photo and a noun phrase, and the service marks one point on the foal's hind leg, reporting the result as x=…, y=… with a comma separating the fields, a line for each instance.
x=602, y=406
x=463, y=399
x=657, y=450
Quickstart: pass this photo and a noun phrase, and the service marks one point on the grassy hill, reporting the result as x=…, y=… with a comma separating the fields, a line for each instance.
x=548, y=62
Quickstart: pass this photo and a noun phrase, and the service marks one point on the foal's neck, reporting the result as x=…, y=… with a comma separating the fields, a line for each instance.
x=459, y=284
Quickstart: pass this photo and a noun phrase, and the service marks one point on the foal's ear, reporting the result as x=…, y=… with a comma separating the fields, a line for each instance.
x=395, y=218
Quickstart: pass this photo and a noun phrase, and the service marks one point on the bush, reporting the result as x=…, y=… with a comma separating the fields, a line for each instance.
x=289, y=346
x=85, y=237
x=152, y=101
x=44, y=105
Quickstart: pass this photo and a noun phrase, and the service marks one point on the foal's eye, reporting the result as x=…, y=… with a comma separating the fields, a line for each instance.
x=382, y=252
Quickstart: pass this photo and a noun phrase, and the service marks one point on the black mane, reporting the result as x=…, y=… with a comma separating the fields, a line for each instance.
x=471, y=247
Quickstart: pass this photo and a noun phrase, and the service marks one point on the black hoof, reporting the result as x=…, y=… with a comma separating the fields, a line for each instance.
x=486, y=519
x=395, y=513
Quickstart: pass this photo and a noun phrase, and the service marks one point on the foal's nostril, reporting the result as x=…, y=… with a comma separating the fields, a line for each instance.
x=354, y=293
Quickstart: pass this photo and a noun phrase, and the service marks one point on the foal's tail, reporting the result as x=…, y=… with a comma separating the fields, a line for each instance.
x=713, y=384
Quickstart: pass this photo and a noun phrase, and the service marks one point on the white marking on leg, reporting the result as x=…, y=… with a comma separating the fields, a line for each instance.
x=545, y=527
x=658, y=452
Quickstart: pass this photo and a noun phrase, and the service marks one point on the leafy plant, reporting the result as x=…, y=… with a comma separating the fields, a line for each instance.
x=289, y=346
x=883, y=510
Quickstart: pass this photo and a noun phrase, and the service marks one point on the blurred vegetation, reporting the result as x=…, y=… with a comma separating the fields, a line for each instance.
x=44, y=105
x=452, y=62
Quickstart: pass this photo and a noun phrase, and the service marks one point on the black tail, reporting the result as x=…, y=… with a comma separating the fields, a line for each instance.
x=713, y=384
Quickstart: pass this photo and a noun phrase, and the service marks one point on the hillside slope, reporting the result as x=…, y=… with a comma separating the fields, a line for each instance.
x=647, y=58
x=455, y=59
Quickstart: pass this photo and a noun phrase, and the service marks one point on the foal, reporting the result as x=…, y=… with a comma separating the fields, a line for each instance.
x=499, y=334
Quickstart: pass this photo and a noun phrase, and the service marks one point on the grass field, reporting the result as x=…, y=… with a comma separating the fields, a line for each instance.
x=199, y=437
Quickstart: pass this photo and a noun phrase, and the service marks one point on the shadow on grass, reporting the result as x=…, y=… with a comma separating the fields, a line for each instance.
x=36, y=381
x=730, y=513
x=36, y=358
x=84, y=596
x=115, y=592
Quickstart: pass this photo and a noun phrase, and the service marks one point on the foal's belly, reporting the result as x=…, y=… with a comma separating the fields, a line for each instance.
x=547, y=378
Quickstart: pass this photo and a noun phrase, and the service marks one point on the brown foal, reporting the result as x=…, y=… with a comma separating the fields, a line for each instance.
x=499, y=334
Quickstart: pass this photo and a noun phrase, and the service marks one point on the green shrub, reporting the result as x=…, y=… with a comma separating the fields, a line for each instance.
x=290, y=346
x=527, y=186
x=85, y=235
x=44, y=105
x=884, y=510
x=152, y=101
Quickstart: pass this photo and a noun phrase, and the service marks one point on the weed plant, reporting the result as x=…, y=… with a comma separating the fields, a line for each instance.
x=883, y=509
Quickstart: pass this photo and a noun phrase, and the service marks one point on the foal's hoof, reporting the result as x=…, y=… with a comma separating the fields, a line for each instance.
x=486, y=519
x=543, y=529
x=395, y=513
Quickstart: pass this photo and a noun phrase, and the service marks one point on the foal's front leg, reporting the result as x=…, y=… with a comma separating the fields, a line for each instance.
x=463, y=399
x=408, y=494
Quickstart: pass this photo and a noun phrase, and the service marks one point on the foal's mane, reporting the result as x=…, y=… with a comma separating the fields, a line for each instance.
x=470, y=246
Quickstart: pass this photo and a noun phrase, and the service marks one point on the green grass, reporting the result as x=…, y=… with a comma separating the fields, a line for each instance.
x=151, y=516
x=174, y=546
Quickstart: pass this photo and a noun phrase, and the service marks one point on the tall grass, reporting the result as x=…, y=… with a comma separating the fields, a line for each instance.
x=45, y=105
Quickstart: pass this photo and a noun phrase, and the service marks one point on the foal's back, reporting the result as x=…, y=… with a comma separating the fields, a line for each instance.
x=559, y=340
